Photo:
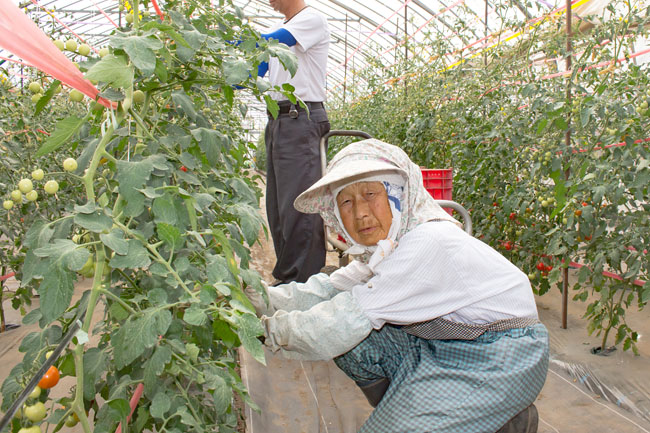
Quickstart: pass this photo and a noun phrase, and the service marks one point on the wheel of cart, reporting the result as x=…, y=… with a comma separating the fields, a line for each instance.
x=437, y=183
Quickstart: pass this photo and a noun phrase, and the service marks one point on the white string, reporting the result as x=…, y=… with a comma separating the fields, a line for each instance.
x=540, y=418
x=314, y=394
x=603, y=405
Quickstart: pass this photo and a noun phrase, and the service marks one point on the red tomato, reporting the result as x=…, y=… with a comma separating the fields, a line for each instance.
x=50, y=379
x=508, y=245
x=513, y=215
x=541, y=266
x=183, y=168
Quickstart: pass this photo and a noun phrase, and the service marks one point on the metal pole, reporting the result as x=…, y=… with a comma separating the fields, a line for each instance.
x=406, y=47
x=345, y=56
x=567, y=144
x=486, y=32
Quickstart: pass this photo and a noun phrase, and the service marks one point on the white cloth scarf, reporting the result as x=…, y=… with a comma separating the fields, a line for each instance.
x=394, y=184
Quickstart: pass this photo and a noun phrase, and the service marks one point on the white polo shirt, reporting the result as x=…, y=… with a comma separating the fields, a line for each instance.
x=309, y=28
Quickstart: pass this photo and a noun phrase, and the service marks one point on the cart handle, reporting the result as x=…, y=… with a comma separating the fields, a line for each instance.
x=336, y=132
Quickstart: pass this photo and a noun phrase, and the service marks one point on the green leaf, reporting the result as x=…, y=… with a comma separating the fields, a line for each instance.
x=182, y=101
x=248, y=329
x=211, y=143
x=94, y=367
x=195, y=315
x=164, y=210
x=64, y=131
x=115, y=241
x=195, y=40
x=97, y=222
x=250, y=221
x=120, y=409
x=272, y=106
x=136, y=257
x=229, y=94
x=66, y=252
x=47, y=97
x=154, y=367
x=170, y=235
x=112, y=70
x=235, y=70
x=285, y=55
x=192, y=351
x=222, y=393
x=55, y=291
x=140, y=50
x=160, y=405
x=262, y=84
x=131, y=176
x=138, y=334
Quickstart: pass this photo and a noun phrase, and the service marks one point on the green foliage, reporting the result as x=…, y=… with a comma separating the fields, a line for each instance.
x=167, y=212
x=501, y=121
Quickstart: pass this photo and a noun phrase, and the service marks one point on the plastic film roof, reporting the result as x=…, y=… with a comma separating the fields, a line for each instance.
x=365, y=34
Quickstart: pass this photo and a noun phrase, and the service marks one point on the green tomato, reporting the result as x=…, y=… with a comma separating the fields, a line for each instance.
x=32, y=429
x=32, y=195
x=16, y=195
x=84, y=49
x=138, y=96
x=103, y=51
x=7, y=204
x=70, y=164
x=72, y=420
x=36, y=392
x=35, y=87
x=129, y=17
x=36, y=97
x=71, y=45
x=35, y=412
x=88, y=269
x=51, y=187
x=25, y=186
x=38, y=174
x=59, y=44
x=76, y=96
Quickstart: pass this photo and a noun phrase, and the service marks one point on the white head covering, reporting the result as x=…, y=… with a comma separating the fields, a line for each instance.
x=372, y=159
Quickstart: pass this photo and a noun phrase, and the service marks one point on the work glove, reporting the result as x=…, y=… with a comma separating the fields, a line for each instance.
x=260, y=300
x=358, y=272
x=325, y=331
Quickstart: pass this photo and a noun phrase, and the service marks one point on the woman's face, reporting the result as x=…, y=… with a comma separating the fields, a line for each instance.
x=365, y=212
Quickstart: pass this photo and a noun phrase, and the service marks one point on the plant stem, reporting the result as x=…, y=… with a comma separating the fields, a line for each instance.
x=118, y=300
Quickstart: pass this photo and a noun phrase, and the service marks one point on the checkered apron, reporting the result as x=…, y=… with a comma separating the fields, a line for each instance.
x=450, y=385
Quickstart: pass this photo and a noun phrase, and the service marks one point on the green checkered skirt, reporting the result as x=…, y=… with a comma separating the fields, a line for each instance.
x=459, y=386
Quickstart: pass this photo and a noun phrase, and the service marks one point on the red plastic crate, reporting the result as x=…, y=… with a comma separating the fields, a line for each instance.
x=438, y=181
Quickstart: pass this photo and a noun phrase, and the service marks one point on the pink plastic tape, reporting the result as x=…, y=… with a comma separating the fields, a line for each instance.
x=21, y=36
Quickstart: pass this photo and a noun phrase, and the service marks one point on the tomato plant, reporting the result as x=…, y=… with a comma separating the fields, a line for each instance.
x=167, y=250
x=501, y=121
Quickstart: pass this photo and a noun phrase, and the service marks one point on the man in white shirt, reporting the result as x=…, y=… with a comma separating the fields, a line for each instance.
x=292, y=141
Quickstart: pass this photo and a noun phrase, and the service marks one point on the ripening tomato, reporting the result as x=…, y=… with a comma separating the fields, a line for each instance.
x=50, y=378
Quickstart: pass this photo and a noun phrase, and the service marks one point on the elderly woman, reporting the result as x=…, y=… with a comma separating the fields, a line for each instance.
x=438, y=329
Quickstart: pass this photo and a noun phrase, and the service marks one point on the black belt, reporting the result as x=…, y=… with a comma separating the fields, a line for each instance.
x=287, y=107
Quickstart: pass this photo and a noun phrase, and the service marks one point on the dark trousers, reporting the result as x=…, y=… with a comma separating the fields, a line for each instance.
x=293, y=165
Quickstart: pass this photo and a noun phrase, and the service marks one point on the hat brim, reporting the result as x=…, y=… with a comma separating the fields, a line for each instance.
x=342, y=173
